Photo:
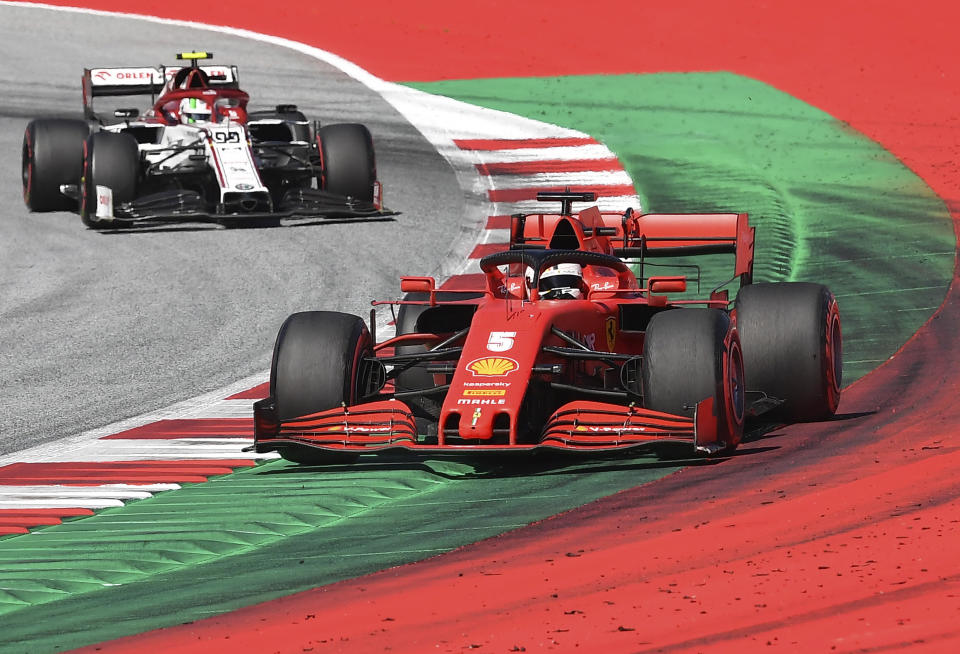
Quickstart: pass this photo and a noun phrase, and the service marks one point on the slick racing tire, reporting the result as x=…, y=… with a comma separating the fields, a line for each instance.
x=317, y=366
x=295, y=115
x=111, y=160
x=298, y=132
x=690, y=355
x=792, y=347
x=349, y=166
x=52, y=155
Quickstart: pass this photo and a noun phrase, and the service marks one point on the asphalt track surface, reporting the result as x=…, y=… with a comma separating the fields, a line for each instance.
x=97, y=327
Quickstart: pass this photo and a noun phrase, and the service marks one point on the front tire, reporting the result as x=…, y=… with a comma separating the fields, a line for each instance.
x=690, y=355
x=349, y=165
x=52, y=155
x=111, y=160
x=792, y=347
x=317, y=366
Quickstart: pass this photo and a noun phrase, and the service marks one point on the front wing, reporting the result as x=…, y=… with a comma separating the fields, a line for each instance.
x=578, y=426
x=188, y=206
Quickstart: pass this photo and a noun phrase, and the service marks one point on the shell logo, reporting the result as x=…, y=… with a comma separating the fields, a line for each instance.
x=492, y=366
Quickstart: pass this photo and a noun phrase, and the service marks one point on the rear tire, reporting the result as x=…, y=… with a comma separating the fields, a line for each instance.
x=690, y=355
x=52, y=155
x=299, y=132
x=297, y=116
x=316, y=366
x=349, y=165
x=792, y=347
x=111, y=160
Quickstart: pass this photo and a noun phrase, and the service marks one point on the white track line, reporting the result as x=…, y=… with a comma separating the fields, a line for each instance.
x=610, y=203
x=106, y=491
x=584, y=178
x=562, y=153
x=57, y=503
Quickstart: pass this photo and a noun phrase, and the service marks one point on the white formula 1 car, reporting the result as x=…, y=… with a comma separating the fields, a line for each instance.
x=196, y=155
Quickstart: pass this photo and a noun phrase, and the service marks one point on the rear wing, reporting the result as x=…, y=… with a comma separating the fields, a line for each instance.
x=130, y=80
x=671, y=235
x=629, y=235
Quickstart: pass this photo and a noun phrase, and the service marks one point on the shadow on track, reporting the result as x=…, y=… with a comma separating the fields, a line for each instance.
x=516, y=465
x=274, y=223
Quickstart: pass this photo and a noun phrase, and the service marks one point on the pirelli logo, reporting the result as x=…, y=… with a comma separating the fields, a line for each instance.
x=484, y=392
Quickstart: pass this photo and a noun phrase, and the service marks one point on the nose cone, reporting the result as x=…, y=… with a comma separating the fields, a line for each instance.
x=481, y=403
x=490, y=383
x=488, y=387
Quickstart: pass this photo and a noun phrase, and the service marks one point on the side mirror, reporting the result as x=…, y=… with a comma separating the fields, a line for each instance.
x=126, y=113
x=676, y=284
x=418, y=284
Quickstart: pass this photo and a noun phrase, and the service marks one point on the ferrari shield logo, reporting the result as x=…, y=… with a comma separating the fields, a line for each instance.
x=611, y=332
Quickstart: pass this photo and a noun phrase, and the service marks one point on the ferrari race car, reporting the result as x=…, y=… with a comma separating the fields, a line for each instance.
x=611, y=362
x=196, y=155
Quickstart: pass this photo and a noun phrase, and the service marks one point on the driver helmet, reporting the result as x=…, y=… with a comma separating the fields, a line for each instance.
x=562, y=282
x=194, y=110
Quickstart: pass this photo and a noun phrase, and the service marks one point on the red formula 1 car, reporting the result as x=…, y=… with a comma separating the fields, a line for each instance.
x=609, y=362
x=196, y=154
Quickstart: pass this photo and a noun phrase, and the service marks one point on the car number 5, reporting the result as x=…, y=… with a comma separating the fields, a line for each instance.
x=501, y=341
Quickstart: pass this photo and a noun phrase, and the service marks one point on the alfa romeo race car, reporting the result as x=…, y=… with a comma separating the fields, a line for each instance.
x=620, y=362
x=195, y=155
